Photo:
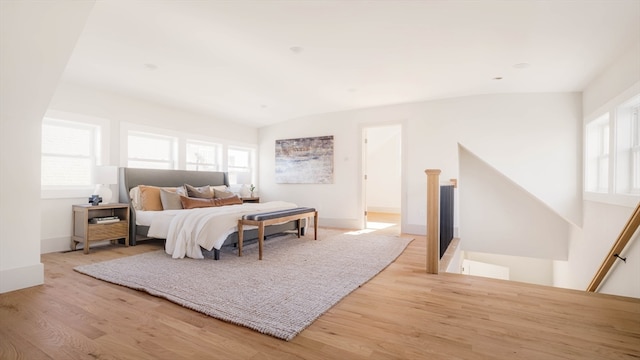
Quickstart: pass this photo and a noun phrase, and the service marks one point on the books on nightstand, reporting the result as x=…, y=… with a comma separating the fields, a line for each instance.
x=104, y=220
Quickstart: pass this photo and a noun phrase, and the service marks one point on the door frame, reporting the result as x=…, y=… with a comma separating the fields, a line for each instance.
x=403, y=175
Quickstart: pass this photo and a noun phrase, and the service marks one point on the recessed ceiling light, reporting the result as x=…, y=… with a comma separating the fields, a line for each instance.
x=352, y=90
x=150, y=66
x=263, y=106
x=296, y=49
x=497, y=78
x=521, y=65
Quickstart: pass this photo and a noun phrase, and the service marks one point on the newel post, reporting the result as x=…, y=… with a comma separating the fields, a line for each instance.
x=433, y=220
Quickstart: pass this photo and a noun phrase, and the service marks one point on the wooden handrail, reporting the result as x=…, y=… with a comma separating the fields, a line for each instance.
x=433, y=220
x=622, y=241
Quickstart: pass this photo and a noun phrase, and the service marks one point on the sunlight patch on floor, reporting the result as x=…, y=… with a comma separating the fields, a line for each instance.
x=378, y=225
x=359, y=232
x=371, y=227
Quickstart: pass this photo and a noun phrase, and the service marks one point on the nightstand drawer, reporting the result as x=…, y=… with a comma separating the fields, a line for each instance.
x=108, y=231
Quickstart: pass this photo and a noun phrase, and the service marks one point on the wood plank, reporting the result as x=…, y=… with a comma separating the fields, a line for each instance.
x=401, y=313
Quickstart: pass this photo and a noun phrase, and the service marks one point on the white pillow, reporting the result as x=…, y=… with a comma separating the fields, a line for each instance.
x=134, y=194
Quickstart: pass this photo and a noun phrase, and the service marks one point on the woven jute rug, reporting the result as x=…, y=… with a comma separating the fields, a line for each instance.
x=296, y=282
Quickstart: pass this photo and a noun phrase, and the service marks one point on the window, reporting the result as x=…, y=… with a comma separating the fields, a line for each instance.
x=597, y=164
x=612, y=151
x=159, y=148
x=203, y=156
x=628, y=147
x=239, y=160
x=69, y=152
x=635, y=150
x=151, y=151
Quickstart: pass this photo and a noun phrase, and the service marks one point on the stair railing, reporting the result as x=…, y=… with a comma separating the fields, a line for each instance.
x=622, y=241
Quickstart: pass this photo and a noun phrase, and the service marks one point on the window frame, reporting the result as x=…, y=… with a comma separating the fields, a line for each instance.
x=219, y=150
x=613, y=195
x=635, y=153
x=173, y=149
x=627, y=124
x=100, y=152
x=600, y=129
x=182, y=139
x=251, y=168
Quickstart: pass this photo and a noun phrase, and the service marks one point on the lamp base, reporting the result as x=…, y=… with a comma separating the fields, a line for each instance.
x=104, y=192
x=244, y=191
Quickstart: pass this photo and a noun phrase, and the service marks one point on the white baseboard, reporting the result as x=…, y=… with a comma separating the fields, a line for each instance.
x=63, y=244
x=386, y=210
x=59, y=244
x=339, y=223
x=21, y=278
x=414, y=229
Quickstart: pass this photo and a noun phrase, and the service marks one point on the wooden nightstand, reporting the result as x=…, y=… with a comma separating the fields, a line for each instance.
x=255, y=199
x=84, y=231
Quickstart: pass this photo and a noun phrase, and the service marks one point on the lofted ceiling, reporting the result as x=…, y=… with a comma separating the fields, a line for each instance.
x=263, y=62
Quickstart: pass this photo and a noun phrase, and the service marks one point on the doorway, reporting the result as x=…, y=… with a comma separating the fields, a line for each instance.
x=382, y=169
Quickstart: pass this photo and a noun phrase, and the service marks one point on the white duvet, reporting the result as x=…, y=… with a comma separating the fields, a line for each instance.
x=192, y=230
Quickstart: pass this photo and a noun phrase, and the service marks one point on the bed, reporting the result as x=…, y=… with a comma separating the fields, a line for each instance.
x=141, y=221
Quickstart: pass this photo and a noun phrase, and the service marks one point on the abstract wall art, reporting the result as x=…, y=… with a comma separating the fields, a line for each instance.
x=305, y=160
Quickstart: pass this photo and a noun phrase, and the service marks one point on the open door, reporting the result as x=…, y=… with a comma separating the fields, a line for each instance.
x=382, y=173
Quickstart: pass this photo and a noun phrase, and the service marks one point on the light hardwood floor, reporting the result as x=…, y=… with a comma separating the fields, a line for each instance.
x=403, y=313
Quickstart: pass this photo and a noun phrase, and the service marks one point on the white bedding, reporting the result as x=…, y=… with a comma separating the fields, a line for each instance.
x=187, y=231
x=145, y=218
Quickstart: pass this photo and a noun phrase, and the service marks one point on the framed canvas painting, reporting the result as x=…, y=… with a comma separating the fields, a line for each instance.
x=305, y=160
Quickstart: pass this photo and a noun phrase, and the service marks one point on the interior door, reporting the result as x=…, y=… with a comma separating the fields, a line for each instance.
x=364, y=172
x=382, y=172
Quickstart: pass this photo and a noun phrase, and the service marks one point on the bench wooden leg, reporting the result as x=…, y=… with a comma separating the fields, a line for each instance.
x=240, y=237
x=315, y=226
x=260, y=239
x=262, y=223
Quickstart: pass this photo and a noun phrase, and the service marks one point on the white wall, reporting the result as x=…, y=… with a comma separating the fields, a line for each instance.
x=523, y=269
x=589, y=246
x=612, y=81
x=499, y=217
x=623, y=278
x=603, y=222
x=338, y=204
x=478, y=268
x=80, y=101
x=384, y=170
x=87, y=101
x=508, y=131
x=36, y=41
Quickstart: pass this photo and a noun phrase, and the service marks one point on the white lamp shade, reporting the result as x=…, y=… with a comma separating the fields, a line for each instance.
x=103, y=176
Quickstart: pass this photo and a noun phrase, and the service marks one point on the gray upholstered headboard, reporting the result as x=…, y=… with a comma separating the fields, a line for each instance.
x=129, y=178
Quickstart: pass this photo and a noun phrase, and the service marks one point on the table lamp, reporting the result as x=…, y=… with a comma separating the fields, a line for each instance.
x=103, y=176
x=244, y=179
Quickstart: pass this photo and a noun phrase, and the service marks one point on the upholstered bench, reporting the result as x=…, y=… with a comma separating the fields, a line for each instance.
x=274, y=217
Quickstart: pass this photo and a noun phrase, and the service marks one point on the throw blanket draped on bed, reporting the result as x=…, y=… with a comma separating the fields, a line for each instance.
x=207, y=228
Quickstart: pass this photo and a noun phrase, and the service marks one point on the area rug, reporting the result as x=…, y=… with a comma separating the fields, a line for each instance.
x=296, y=282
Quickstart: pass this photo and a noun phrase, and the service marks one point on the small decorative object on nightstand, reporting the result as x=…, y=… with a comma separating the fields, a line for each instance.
x=98, y=223
x=251, y=199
